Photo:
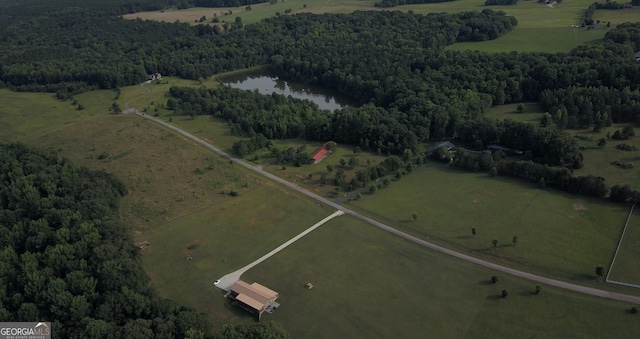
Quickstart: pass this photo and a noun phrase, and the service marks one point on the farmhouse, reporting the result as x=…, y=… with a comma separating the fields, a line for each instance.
x=154, y=76
x=319, y=154
x=253, y=298
x=447, y=144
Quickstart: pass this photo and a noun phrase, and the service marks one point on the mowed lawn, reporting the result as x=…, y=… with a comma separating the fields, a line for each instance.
x=370, y=284
x=540, y=28
x=221, y=239
x=559, y=234
x=626, y=267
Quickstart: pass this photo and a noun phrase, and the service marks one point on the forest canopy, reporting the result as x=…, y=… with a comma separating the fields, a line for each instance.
x=66, y=256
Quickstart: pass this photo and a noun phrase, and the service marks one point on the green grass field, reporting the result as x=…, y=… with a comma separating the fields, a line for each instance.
x=597, y=160
x=540, y=27
x=559, y=234
x=27, y=115
x=626, y=268
x=369, y=284
x=227, y=236
x=176, y=203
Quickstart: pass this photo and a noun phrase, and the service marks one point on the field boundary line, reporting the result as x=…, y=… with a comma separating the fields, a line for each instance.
x=624, y=230
x=622, y=283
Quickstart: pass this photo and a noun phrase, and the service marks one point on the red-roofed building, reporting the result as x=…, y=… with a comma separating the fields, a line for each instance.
x=320, y=154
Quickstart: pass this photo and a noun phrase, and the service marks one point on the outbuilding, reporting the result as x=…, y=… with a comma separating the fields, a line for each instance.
x=253, y=298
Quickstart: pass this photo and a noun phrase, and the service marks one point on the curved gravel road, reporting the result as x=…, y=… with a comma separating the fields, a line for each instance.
x=421, y=242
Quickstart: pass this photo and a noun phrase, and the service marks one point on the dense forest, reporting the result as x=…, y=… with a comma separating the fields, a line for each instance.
x=67, y=257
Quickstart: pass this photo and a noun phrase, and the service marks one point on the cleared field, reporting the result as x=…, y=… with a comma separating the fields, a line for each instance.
x=257, y=12
x=370, y=285
x=531, y=113
x=626, y=268
x=221, y=239
x=559, y=234
x=597, y=160
x=541, y=28
x=26, y=115
x=618, y=16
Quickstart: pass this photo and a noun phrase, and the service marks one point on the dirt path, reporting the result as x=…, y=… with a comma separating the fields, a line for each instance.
x=421, y=242
x=127, y=109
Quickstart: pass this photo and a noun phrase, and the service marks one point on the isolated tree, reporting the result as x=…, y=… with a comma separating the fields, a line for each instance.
x=504, y=293
x=515, y=239
x=495, y=243
x=415, y=216
x=342, y=162
x=115, y=108
x=329, y=168
x=473, y=231
x=356, y=150
x=373, y=189
x=520, y=108
x=494, y=279
x=602, y=142
x=538, y=290
x=600, y=271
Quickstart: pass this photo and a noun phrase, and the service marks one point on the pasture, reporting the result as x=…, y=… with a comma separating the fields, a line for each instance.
x=27, y=115
x=222, y=238
x=597, y=160
x=626, y=269
x=559, y=234
x=541, y=28
x=176, y=203
x=370, y=284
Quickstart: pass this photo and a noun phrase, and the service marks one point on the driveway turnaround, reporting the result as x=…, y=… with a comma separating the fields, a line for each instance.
x=227, y=281
x=517, y=273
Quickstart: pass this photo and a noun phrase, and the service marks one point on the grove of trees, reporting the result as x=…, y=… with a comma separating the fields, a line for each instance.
x=66, y=256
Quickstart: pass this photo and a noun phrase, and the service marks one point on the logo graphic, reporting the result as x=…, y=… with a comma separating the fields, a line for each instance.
x=25, y=330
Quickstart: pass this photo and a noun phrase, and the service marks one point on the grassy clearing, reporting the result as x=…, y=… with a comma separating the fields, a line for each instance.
x=26, y=115
x=559, y=234
x=618, y=16
x=597, y=160
x=257, y=12
x=167, y=176
x=625, y=268
x=370, y=284
x=540, y=28
x=221, y=239
x=531, y=113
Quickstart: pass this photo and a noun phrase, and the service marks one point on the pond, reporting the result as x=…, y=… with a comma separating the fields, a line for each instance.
x=267, y=83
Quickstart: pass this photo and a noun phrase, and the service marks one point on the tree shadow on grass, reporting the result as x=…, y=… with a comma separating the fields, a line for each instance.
x=465, y=237
x=583, y=277
x=526, y=293
x=485, y=282
x=494, y=297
